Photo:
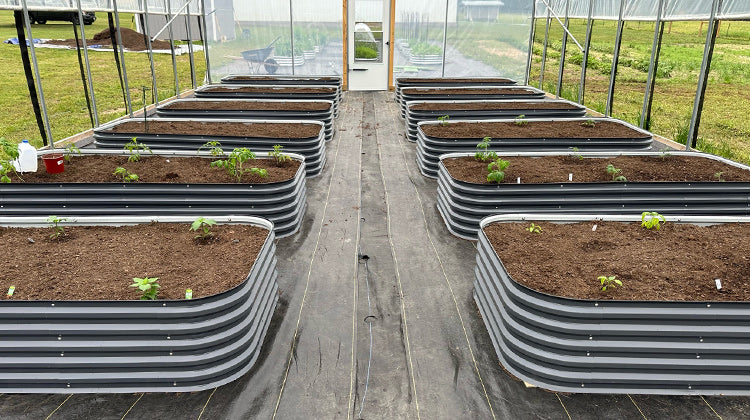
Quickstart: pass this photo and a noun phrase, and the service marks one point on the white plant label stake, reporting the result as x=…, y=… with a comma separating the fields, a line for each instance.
x=570, y=176
x=188, y=293
x=518, y=181
x=11, y=289
x=593, y=228
x=718, y=284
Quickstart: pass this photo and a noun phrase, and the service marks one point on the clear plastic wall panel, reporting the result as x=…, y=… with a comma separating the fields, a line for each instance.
x=418, y=34
x=318, y=38
x=488, y=38
x=368, y=31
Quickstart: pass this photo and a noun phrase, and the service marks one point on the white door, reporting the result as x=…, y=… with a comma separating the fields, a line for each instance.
x=368, y=44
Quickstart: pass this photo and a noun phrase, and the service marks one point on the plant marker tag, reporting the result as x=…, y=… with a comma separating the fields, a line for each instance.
x=11, y=289
x=593, y=228
x=518, y=181
x=570, y=176
x=188, y=293
x=718, y=284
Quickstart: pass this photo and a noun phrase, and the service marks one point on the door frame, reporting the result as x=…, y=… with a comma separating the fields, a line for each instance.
x=391, y=32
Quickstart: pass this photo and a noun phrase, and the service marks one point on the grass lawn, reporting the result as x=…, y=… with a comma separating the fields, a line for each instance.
x=63, y=88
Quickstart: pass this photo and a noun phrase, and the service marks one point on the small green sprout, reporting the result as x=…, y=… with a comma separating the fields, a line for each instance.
x=575, y=153
x=608, y=281
x=615, y=172
x=485, y=155
x=69, y=151
x=533, y=228
x=590, y=123
x=214, y=148
x=280, y=157
x=496, y=170
x=125, y=175
x=521, y=120
x=718, y=176
x=135, y=149
x=444, y=120
x=651, y=220
x=202, y=226
x=57, y=230
x=147, y=285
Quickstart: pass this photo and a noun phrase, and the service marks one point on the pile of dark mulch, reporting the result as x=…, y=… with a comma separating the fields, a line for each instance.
x=131, y=40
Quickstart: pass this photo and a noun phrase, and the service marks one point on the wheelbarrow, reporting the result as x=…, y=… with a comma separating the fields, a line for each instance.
x=261, y=56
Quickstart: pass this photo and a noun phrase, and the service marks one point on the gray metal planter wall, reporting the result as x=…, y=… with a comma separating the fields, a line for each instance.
x=263, y=91
x=521, y=107
x=463, y=205
x=283, y=203
x=103, y=346
x=231, y=108
x=643, y=347
x=467, y=93
x=408, y=82
x=242, y=79
x=313, y=149
x=429, y=149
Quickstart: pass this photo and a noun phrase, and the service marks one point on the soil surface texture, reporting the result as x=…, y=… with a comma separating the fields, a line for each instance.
x=488, y=106
x=249, y=77
x=437, y=81
x=159, y=169
x=532, y=129
x=274, y=89
x=131, y=40
x=556, y=169
x=471, y=91
x=240, y=105
x=221, y=128
x=679, y=262
x=99, y=262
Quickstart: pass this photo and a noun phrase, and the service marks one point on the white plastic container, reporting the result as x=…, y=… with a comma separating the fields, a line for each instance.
x=27, y=160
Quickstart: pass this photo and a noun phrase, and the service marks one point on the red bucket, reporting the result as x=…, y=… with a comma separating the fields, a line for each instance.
x=54, y=163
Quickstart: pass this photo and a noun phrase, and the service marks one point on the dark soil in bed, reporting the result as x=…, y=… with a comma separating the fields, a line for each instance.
x=273, y=89
x=221, y=128
x=470, y=91
x=99, y=262
x=556, y=169
x=247, y=77
x=468, y=80
x=531, y=129
x=679, y=262
x=250, y=105
x=158, y=169
x=489, y=106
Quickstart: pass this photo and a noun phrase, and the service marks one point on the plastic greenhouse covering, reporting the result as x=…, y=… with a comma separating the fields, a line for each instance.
x=646, y=10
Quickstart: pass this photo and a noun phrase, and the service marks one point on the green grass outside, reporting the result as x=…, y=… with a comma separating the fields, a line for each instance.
x=63, y=88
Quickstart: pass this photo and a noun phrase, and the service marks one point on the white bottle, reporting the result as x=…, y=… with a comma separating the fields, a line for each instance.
x=27, y=160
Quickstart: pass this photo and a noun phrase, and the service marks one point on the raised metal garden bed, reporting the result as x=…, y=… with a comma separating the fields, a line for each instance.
x=454, y=111
x=243, y=108
x=283, y=203
x=407, y=82
x=471, y=93
x=265, y=91
x=429, y=149
x=313, y=149
x=138, y=346
x=606, y=346
x=242, y=79
x=463, y=205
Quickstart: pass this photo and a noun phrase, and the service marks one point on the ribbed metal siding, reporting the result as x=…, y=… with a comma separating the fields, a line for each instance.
x=644, y=347
x=430, y=149
x=313, y=148
x=463, y=205
x=413, y=117
x=405, y=97
x=103, y=346
x=402, y=83
x=280, y=92
x=326, y=117
x=282, y=80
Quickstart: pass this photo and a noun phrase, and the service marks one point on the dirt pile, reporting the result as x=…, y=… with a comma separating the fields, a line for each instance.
x=131, y=40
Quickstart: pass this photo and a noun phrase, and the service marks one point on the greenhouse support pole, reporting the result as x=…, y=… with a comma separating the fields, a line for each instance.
x=21, y=18
x=84, y=82
x=615, y=61
x=532, y=31
x=291, y=29
x=168, y=5
x=88, y=64
x=544, y=48
x=204, y=39
x=445, y=38
x=562, y=50
x=129, y=102
x=700, y=94
x=586, y=46
x=190, y=45
x=147, y=33
x=116, y=50
x=648, y=96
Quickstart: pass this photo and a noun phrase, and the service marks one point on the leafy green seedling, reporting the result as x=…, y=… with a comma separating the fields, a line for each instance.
x=651, y=220
x=69, y=151
x=259, y=171
x=444, y=120
x=135, y=150
x=496, y=170
x=280, y=157
x=608, y=281
x=533, y=228
x=575, y=153
x=125, y=175
x=521, y=120
x=615, y=172
x=718, y=176
x=147, y=285
x=202, y=226
x=214, y=148
x=235, y=161
x=54, y=224
x=482, y=153
x=590, y=123
x=8, y=153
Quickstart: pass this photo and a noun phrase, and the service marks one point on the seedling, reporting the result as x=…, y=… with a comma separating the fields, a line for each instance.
x=496, y=170
x=608, y=281
x=202, y=226
x=280, y=157
x=664, y=155
x=575, y=153
x=147, y=285
x=214, y=148
x=235, y=161
x=69, y=151
x=54, y=224
x=484, y=155
x=651, y=220
x=534, y=228
x=135, y=150
x=615, y=172
x=8, y=153
x=521, y=120
x=590, y=123
x=125, y=175
x=718, y=175
x=444, y=120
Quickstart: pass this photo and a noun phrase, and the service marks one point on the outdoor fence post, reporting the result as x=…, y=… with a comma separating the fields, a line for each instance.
x=129, y=102
x=615, y=61
x=587, y=45
x=190, y=45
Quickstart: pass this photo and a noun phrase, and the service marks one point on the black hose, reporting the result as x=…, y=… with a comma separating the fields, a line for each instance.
x=29, y=75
